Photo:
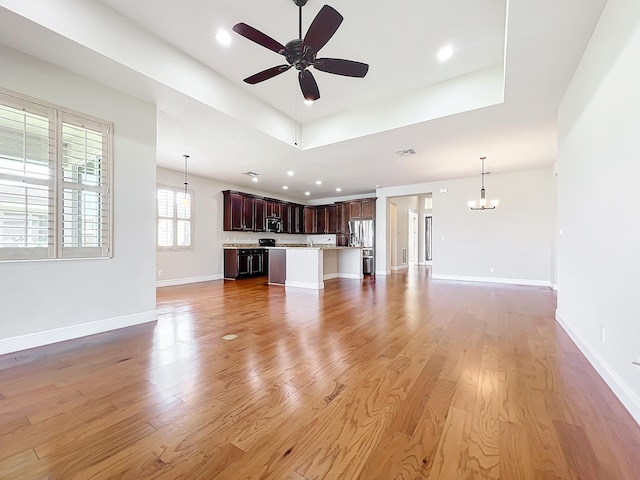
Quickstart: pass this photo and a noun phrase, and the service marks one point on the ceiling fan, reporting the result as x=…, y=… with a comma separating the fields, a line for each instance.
x=300, y=53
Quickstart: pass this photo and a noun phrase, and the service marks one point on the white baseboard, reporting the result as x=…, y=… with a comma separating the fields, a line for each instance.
x=184, y=281
x=511, y=281
x=625, y=394
x=354, y=276
x=47, y=337
x=555, y=287
x=383, y=272
x=400, y=267
x=308, y=285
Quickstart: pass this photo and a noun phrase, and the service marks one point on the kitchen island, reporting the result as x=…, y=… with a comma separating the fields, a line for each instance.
x=309, y=266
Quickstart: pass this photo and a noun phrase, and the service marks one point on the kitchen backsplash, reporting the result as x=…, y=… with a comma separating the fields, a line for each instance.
x=252, y=238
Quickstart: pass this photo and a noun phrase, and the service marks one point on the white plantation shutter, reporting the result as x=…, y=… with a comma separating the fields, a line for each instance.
x=85, y=188
x=54, y=182
x=174, y=219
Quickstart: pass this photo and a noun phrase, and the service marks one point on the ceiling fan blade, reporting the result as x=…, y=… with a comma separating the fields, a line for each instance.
x=322, y=28
x=258, y=37
x=267, y=74
x=338, y=66
x=308, y=85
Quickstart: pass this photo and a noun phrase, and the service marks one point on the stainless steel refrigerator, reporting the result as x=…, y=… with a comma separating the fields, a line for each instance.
x=362, y=233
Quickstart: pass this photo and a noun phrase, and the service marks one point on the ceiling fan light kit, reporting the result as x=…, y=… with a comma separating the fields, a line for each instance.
x=300, y=53
x=482, y=204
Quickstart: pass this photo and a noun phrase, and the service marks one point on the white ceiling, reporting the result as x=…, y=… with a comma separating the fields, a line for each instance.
x=496, y=97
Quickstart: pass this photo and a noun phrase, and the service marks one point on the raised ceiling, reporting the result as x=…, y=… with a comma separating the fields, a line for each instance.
x=496, y=97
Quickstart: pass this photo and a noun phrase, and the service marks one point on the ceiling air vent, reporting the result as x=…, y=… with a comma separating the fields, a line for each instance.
x=407, y=152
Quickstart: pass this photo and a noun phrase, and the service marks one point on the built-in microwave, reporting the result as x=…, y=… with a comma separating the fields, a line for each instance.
x=274, y=224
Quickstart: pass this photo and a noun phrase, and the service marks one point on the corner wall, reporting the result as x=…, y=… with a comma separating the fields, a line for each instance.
x=515, y=240
x=598, y=198
x=49, y=301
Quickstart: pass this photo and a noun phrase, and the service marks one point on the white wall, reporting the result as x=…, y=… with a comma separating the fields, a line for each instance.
x=205, y=261
x=598, y=201
x=515, y=239
x=47, y=301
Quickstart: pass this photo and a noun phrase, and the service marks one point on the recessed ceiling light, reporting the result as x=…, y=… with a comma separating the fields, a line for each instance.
x=285, y=188
x=338, y=189
x=223, y=37
x=290, y=173
x=318, y=182
x=445, y=53
x=307, y=193
x=309, y=102
x=254, y=179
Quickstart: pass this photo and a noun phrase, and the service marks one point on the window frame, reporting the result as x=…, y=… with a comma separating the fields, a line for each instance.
x=56, y=184
x=175, y=247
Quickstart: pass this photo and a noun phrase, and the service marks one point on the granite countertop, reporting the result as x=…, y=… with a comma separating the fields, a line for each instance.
x=229, y=246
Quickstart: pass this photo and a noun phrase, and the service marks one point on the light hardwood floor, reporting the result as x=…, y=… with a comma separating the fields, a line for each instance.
x=394, y=377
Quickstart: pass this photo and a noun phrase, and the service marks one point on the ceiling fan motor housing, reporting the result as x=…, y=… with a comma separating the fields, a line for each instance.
x=298, y=56
x=300, y=3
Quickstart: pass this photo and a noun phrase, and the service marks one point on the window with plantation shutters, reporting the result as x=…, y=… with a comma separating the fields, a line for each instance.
x=54, y=182
x=174, y=219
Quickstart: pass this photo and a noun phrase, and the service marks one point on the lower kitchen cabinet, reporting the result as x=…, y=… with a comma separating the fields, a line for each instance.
x=245, y=262
x=277, y=266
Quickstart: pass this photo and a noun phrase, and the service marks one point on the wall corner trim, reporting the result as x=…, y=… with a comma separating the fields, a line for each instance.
x=625, y=394
x=48, y=337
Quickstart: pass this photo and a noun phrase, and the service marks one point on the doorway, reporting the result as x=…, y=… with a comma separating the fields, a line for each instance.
x=428, y=235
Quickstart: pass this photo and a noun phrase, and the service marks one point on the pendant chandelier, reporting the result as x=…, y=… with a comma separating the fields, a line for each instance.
x=185, y=199
x=482, y=205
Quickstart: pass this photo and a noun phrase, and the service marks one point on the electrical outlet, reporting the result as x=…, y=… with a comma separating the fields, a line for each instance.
x=491, y=270
x=159, y=273
x=602, y=333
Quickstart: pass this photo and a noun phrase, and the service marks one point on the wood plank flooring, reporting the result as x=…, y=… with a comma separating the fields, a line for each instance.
x=392, y=378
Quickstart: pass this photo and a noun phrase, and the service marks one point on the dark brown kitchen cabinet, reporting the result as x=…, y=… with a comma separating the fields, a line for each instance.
x=274, y=208
x=364, y=209
x=249, y=213
x=342, y=239
x=368, y=208
x=277, y=266
x=310, y=225
x=285, y=216
x=260, y=210
x=234, y=211
x=342, y=218
x=321, y=219
x=297, y=218
x=332, y=219
x=243, y=212
x=245, y=262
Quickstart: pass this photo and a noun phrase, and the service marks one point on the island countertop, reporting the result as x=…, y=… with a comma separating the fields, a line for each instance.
x=297, y=246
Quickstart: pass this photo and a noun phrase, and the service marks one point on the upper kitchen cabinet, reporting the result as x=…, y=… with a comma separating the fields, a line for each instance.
x=363, y=209
x=285, y=216
x=260, y=210
x=297, y=219
x=342, y=218
x=274, y=208
x=240, y=212
x=310, y=223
